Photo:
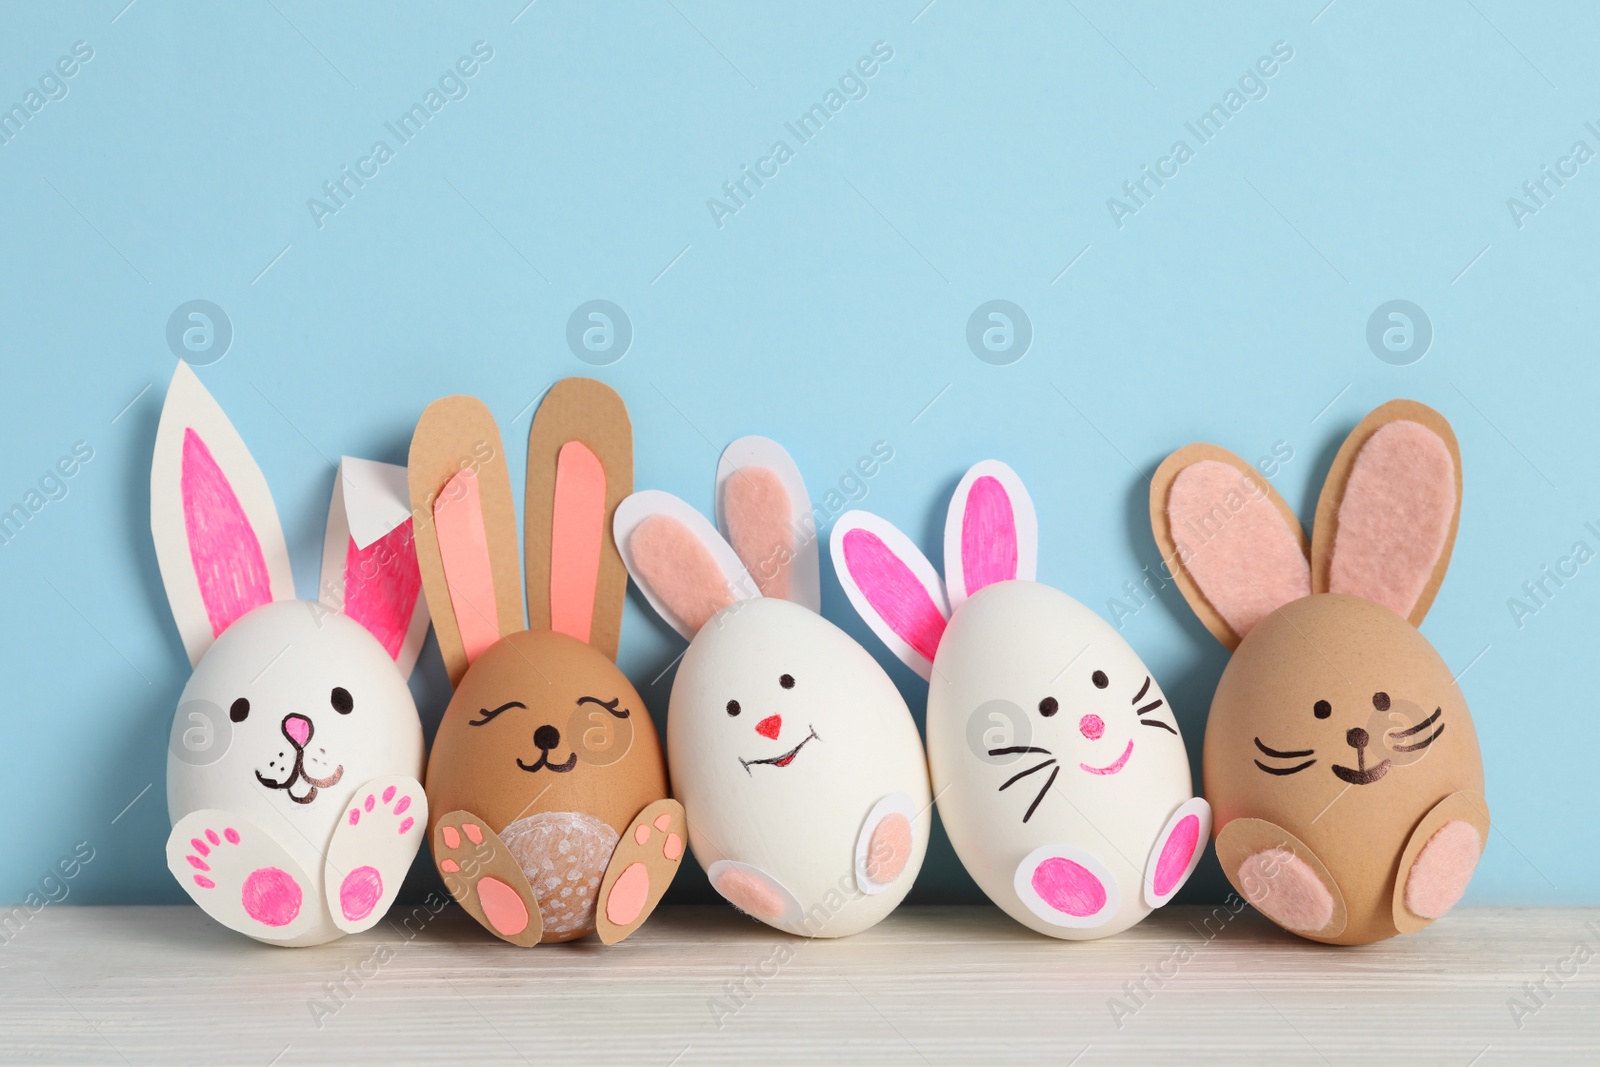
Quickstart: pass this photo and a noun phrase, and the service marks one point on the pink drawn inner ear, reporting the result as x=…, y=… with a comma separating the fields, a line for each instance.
x=894, y=592
x=757, y=508
x=228, y=564
x=679, y=570
x=464, y=551
x=1235, y=544
x=1395, y=516
x=988, y=536
x=577, y=533
x=381, y=586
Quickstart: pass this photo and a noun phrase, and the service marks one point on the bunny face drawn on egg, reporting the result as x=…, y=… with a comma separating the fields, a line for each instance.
x=552, y=819
x=295, y=751
x=1061, y=775
x=1340, y=756
x=793, y=753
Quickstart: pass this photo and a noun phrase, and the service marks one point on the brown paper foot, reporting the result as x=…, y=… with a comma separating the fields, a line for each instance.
x=486, y=879
x=1439, y=859
x=644, y=864
x=1284, y=879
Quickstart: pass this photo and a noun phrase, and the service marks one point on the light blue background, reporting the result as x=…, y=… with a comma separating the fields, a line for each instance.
x=827, y=313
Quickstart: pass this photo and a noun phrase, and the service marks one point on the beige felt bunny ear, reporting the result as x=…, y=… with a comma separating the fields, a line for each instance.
x=1233, y=545
x=465, y=528
x=1387, y=517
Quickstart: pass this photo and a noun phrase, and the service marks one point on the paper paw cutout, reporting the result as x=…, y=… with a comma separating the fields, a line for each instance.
x=486, y=879
x=1439, y=860
x=372, y=850
x=240, y=875
x=883, y=848
x=754, y=892
x=644, y=864
x=1067, y=886
x=1177, y=851
x=1285, y=881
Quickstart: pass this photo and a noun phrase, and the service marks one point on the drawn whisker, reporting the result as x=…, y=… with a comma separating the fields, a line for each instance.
x=1029, y=814
x=1143, y=689
x=1015, y=749
x=1153, y=705
x=1158, y=722
x=1424, y=743
x=1024, y=774
x=1284, y=755
x=1421, y=726
x=1290, y=770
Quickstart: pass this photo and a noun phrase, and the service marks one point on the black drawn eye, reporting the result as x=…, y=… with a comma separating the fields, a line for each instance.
x=239, y=709
x=1049, y=706
x=341, y=700
x=787, y=681
x=1380, y=701
x=1099, y=679
x=487, y=715
x=733, y=707
x=610, y=705
x=1322, y=709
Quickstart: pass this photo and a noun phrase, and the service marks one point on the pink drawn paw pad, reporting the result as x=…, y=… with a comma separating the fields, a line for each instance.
x=1442, y=869
x=1176, y=852
x=1067, y=886
x=360, y=892
x=271, y=896
x=1286, y=889
x=400, y=809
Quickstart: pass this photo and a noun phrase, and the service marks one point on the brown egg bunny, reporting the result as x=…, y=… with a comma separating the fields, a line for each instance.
x=546, y=784
x=1340, y=759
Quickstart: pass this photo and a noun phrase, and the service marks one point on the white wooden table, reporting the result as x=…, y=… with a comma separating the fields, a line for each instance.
x=163, y=985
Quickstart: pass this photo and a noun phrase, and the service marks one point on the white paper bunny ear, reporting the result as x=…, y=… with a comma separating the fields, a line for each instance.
x=991, y=533
x=218, y=541
x=765, y=514
x=685, y=569
x=892, y=586
x=369, y=558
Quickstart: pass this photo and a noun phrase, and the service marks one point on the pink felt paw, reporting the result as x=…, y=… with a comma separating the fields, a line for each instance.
x=1443, y=868
x=750, y=895
x=1286, y=889
x=890, y=848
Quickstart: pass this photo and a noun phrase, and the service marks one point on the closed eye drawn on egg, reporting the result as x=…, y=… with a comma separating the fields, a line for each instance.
x=490, y=713
x=1150, y=707
x=1417, y=729
x=609, y=705
x=1274, y=753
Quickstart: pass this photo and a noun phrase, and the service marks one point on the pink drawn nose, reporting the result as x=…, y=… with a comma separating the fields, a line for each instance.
x=770, y=726
x=1091, y=727
x=297, y=728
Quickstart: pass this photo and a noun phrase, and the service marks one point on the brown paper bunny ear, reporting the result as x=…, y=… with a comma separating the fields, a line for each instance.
x=580, y=467
x=1387, y=516
x=466, y=529
x=1233, y=545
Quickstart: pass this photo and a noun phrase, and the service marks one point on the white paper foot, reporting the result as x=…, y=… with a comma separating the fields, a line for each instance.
x=372, y=850
x=241, y=876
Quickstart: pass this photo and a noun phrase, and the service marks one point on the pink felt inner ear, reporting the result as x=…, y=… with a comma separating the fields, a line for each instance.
x=894, y=592
x=1235, y=544
x=1395, y=516
x=679, y=570
x=381, y=586
x=464, y=551
x=757, y=509
x=228, y=564
x=577, y=534
x=988, y=536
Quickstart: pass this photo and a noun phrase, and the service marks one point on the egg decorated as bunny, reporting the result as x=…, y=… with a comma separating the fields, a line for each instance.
x=1062, y=778
x=796, y=758
x=1340, y=756
x=296, y=747
x=551, y=814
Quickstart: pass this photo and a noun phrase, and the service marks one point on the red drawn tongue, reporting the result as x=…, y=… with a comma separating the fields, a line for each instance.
x=785, y=761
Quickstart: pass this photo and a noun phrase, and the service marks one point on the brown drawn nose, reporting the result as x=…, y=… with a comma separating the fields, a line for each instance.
x=547, y=737
x=1356, y=737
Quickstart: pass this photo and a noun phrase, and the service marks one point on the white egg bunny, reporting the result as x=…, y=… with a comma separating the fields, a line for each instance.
x=295, y=751
x=796, y=759
x=1061, y=776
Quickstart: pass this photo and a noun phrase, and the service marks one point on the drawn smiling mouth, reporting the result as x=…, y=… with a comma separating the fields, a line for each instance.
x=1122, y=761
x=1362, y=775
x=299, y=775
x=543, y=763
x=783, y=760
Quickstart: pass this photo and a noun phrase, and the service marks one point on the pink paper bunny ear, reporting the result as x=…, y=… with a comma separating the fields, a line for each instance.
x=685, y=569
x=369, y=558
x=218, y=541
x=1234, y=547
x=892, y=586
x=991, y=533
x=765, y=514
